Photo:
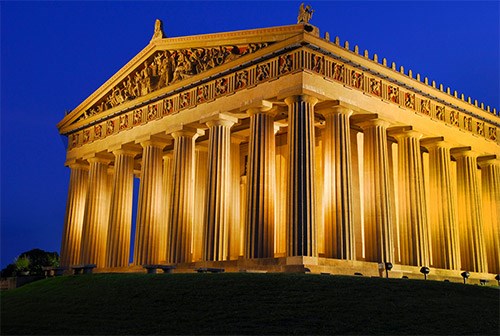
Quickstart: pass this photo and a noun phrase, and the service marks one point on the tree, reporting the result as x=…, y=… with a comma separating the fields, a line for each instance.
x=37, y=259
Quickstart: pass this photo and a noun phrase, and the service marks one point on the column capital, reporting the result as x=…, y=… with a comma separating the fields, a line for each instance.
x=301, y=97
x=259, y=106
x=188, y=132
x=125, y=149
x=158, y=141
x=102, y=157
x=220, y=119
x=168, y=155
x=488, y=160
x=373, y=122
x=466, y=151
x=237, y=139
x=399, y=132
x=334, y=107
x=76, y=164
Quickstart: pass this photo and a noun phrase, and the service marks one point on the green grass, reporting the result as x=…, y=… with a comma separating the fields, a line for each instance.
x=241, y=303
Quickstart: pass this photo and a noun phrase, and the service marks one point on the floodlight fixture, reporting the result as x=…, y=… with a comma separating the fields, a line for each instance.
x=465, y=275
x=388, y=267
x=425, y=270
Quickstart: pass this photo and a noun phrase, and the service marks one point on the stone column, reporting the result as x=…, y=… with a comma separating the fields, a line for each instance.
x=235, y=219
x=75, y=209
x=470, y=215
x=378, y=212
x=301, y=213
x=411, y=199
x=490, y=181
x=95, y=224
x=443, y=221
x=168, y=161
x=181, y=220
x=216, y=230
x=261, y=188
x=120, y=218
x=337, y=193
x=150, y=203
x=200, y=194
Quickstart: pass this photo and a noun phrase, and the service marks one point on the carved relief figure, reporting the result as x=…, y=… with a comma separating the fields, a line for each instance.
x=492, y=133
x=410, y=100
x=425, y=107
x=356, y=79
x=123, y=122
x=375, y=86
x=262, y=72
x=74, y=140
x=168, y=106
x=97, y=131
x=152, y=112
x=285, y=63
x=110, y=127
x=338, y=72
x=184, y=99
x=241, y=79
x=440, y=112
x=468, y=123
x=480, y=128
x=305, y=14
x=393, y=93
x=317, y=63
x=221, y=86
x=202, y=94
x=158, y=33
x=86, y=136
x=137, y=117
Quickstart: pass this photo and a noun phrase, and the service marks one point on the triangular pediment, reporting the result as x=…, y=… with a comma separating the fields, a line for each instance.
x=170, y=62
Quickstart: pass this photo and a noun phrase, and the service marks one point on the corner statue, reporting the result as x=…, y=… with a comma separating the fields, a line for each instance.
x=305, y=14
x=158, y=34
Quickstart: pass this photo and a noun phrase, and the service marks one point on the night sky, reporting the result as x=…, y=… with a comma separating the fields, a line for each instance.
x=55, y=54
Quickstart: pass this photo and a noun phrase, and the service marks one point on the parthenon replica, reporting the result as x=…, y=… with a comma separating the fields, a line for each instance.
x=280, y=150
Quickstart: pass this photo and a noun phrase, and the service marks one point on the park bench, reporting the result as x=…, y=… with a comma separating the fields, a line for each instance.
x=151, y=269
x=83, y=269
x=50, y=271
x=209, y=270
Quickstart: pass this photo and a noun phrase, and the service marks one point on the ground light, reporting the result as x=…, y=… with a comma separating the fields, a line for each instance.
x=388, y=267
x=425, y=270
x=465, y=275
x=497, y=278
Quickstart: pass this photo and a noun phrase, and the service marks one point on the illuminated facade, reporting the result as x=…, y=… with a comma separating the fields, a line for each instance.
x=276, y=149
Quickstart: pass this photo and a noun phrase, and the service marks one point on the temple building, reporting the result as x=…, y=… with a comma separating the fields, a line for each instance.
x=280, y=150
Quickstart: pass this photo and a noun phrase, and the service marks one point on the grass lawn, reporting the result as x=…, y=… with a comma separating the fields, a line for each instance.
x=239, y=303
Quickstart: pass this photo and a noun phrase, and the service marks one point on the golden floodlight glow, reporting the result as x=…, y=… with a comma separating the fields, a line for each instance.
x=277, y=150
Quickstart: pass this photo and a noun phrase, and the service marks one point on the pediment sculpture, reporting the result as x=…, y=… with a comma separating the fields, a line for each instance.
x=166, y=67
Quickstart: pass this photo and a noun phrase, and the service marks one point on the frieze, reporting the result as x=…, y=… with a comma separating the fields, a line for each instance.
x=272, y=69
x=166, y=67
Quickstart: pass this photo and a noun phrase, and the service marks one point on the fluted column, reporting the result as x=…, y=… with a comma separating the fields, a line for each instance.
x=337, y=193
x=95, y=224
x=75, y=209
x=490, y=181
x=150, y=203
x=216, y=229
x=412, y=204
x=235, y=219
x=200, y=194
x=168, y=163
x=261, y=188
x=181, y=223
x=378, y=211
x=120, y=218
x=470, y=215
x=443, y=224
x=301, y=212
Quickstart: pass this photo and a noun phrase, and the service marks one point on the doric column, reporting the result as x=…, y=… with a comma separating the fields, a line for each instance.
x=412, y=204
x=301, y=210
x=378, y=211
x=150, y=203
x=200, y=194
x=235, y=219
x=95, y=221
x=443, y=222
x=75, y=209
x=470, y=215
x=181, y=223
x=261, y=188
x=168, y=163
x=337, y=193
x=120, y=217
x=490, y=181
x=216, y=230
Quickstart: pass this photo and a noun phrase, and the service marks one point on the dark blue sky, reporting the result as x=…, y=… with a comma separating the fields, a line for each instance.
x=55, y=54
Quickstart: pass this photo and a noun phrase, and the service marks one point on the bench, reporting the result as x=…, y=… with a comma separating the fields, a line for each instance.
x=83, y=269
x=50, y=271
x=209, y=270
x=151, y=269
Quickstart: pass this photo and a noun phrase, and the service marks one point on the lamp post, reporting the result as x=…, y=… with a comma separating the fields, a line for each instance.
x=465, y=275
x=388, y=267
x=425, y=270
